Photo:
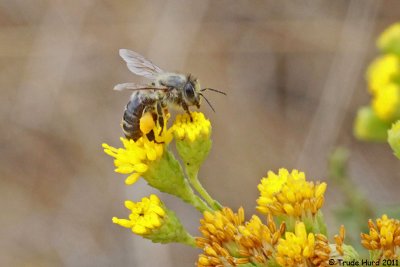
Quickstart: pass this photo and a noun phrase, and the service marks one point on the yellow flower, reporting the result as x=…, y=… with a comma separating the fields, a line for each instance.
x=302, y=249
x=382, y=71
x=386, y=102
x=154, y=162
x=289, y=194
x=135, y=158
x=193, y=143
x=322, y=251
x=145, y=216
x=189, y=129
x=218, y=242
x=383, y=238
x=339, y=239
x=220, y=225
x=369, y=127
x=258, y=241
x=389, y=41
x=192, y=137
x=297, y=249
x=230, y=241
x=150, y=219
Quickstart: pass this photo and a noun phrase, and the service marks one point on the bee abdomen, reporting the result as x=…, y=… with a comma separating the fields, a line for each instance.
x=132, y=114
x=131, y=119
x=132, y=129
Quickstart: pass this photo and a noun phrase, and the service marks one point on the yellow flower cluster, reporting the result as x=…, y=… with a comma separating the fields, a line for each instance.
x=229, y=240
x=289, y=194
x=218, y=229
x=386, y=102
x=383, y=78
x=258, y=241
x=293, y=232
x=389, y=41
x=135, y=158
x=383, y=237
x=297, y=248
x=383, y=71
x=191, y=127
x=146, y=215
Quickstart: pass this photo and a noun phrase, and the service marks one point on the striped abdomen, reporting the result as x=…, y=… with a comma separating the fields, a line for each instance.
x=133, y=112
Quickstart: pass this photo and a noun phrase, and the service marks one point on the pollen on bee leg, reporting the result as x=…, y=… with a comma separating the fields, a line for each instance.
x=146, y=123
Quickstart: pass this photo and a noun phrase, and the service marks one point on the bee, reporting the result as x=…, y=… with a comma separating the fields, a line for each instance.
x=166, y=89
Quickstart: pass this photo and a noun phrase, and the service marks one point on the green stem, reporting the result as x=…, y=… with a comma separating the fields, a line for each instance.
x=190, y=241
x=194, y=181
x=199, y=204
x=167, y=175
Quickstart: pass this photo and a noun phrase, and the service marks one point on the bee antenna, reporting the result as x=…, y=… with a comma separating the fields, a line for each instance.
x=208, y=102
x=214, y=90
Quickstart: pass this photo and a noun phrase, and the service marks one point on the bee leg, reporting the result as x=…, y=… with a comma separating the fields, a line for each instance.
x=186, y=108
x=190, y=115
x=151, y=136
x=160, y=117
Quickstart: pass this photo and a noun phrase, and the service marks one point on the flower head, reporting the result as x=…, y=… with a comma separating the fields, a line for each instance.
x=145, y=216
x=155, y=163
x=258, y=241
x=383, y=237
x=191, y=127
x=192, y=135
x=296, y=249
x=135, y=158
x=229, y=240
x=322, y=251
x=289, y=194
x=150, y=219
x=218, y=242
x=382, y=71
x=138, y=156
x=193, y=143
x=389, y=41
x=369, y=127
x=386, y=102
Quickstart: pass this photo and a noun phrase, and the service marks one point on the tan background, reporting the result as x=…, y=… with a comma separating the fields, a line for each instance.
x=293, y=71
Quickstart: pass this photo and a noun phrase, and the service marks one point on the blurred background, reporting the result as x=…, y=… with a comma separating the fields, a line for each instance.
x=294, y=74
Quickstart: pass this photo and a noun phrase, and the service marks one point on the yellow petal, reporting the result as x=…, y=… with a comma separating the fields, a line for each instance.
x=139, y=229
x=125, y=169
x=141, y=167
x=151, y=154
x=131, y=179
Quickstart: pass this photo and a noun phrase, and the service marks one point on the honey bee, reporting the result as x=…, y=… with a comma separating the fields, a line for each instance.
x=166, y=89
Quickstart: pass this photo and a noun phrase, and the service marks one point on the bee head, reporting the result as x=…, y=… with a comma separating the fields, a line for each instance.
x=191, y=92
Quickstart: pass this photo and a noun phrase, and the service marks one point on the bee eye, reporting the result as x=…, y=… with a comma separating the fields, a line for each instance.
x=189, y=91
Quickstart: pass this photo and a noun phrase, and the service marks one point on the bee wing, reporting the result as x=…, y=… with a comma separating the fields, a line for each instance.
x=129, y=86
x=139, y=65
x=136, y=87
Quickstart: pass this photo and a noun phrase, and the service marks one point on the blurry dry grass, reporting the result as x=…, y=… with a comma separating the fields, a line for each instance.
x=293, y=71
